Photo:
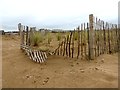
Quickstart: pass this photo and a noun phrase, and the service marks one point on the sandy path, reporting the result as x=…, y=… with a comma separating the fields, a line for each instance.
x=20, y=71
x=0, y=61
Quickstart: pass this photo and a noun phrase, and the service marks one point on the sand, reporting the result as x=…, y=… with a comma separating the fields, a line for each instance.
x=18, y=71
x=0, y=62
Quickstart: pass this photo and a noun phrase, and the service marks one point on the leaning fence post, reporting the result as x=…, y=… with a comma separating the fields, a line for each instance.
x=91, y=37
x=70, y=44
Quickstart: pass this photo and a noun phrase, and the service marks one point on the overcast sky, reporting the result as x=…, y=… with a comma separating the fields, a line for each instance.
x=64, y=14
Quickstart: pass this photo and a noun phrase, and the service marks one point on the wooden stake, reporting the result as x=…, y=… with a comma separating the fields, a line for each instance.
x=64, y=46
x=22, y=35
x=27, y=35
x=81, y=41
x=88, y=41
x=104, y=38
x=70, y=44
x=67, y=45
x=91, y=37
x=85, y=40
x=78, y=43
x=117, y=38
x=95, y=39
x=19, y=28
x=109, y=40
x=73, y=43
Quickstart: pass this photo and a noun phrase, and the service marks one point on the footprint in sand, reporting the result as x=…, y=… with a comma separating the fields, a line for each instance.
x=46, y=80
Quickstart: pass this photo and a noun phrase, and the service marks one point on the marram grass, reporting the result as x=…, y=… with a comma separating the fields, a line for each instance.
x=36, y=38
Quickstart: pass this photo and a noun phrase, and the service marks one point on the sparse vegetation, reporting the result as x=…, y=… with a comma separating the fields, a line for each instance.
x=36, y=38
x=59, y=36
x=49, y=38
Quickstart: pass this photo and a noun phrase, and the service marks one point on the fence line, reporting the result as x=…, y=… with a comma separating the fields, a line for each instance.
x=87, y=41
x=93, y=39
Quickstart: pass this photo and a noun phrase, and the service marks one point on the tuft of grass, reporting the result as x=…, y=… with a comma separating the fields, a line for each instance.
x=59, y=37
x=36, y=38
x=49, y=38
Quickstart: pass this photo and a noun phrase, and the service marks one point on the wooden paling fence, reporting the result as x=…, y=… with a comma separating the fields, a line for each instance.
x=87, y=41
x=35, y=55
x=74, y=48
x=93, y=39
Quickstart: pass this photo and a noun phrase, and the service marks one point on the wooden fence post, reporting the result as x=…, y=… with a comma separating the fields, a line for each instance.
x=78, y=42
x=106, y=29
x=110, y=38
x=64, y=46
x=91, y=37
x=61, y=48
x=67, y=45
x=27, y=35
x=85, y=40
x=19, y=28
x=117, y=38
x=73, y=43
x=81, y=41
x=113, y=39
x=104, y=38
x=88, y=41
x=100, y=36
x=31, y=33
x=70, y=44
x=109, y=49
x=21, y=35
x=95, y=37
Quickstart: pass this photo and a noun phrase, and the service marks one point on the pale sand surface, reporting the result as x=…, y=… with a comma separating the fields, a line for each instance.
x=0, y=61
x=59, y=72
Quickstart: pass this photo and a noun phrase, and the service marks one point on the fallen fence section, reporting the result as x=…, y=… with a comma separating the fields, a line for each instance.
x=36, y=55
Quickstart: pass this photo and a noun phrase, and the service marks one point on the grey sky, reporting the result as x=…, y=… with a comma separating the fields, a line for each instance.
x=65, y=14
